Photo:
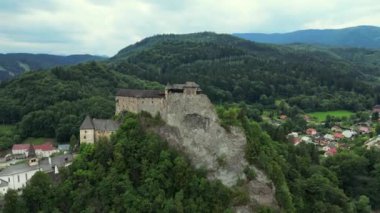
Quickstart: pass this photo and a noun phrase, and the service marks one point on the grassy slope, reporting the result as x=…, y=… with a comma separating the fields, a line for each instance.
x=321, y=116
x=6, y=130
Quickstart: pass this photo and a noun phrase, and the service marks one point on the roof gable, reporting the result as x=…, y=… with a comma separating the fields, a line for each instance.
x=87, y=123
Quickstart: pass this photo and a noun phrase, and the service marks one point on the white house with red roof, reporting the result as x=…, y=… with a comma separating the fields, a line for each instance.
x=45, y=150
x=20, y=149
x=311, y=131
x=330, y=152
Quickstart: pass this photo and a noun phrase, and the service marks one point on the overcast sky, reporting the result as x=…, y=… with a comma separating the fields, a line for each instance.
x=103, y=27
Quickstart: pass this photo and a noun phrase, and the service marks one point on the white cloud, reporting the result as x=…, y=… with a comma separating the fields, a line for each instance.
x=104, y=27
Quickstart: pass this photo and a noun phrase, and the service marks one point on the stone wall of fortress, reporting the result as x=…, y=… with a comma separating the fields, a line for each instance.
x=136, y=105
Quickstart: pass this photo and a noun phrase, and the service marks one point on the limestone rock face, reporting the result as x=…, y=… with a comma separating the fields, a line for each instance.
x=193, y=128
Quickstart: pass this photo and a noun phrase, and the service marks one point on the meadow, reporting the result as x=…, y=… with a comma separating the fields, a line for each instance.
x=321, y=116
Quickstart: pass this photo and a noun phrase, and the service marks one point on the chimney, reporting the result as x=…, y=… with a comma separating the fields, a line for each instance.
x=56, y=169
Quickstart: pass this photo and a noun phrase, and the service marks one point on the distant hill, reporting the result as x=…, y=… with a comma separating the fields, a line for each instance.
x=15, y=63
x=361, y=37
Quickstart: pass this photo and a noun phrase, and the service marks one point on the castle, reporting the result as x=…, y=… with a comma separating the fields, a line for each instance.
x=132, y=100
x=152, y=101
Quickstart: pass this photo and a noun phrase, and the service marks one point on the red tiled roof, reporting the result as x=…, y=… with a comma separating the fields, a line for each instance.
x=331, y=151
x=338, y=135
x=44, y=147
x=311, y=131
x=20, y=146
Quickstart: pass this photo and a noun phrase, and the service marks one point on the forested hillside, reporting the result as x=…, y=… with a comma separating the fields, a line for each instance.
x=232, y=70
x=13, y=64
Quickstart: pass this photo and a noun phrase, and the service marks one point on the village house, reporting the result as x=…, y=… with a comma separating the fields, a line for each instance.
x=364, y=129
x=306, y=139
x=329, y=137
x=311, y=131
x=338, y=135
x=93, y=129
x=45, y=150
x=348, y=133
x=16, y=176
x=336, y=129
x=331, y=151
x=20, y=149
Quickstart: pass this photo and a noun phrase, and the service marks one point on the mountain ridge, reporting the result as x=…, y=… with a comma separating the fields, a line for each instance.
x=364, y=36
x=12, y=64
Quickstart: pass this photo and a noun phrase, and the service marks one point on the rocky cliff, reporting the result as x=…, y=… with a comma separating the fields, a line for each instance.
x=192, y=127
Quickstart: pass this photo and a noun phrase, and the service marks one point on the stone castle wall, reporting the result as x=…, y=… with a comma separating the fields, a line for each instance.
x=87, y=136
x=136, y=105
x=103, y=134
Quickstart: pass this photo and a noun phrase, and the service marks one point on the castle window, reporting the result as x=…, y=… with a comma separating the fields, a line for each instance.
x=26, y=176
x=18, y=178
x=85, y=131
x=9, y=179
x=84, y=137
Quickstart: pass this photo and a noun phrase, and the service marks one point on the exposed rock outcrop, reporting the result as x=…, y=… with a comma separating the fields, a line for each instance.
x=192, y=127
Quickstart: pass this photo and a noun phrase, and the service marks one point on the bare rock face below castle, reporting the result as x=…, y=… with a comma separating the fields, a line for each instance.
x=192, y=127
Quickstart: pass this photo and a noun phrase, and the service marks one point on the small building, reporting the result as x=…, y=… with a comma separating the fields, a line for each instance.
x=364, y=129
x=306, y=139
x=64, y=147
x=348, y=133
x=329, y=137
x=293, y=134
x=20, y=149
x=16, y=176
x=336, y=129
x=92, y=130
x=311, y=131
x=295, y=141
x=338, y=135
x=331, y=151
x=45, y=150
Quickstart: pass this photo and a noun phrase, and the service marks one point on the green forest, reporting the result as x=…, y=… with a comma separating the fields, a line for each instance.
x=137, y=171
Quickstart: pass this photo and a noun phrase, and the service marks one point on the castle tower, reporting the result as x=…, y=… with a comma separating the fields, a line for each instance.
x=87, y=131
